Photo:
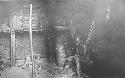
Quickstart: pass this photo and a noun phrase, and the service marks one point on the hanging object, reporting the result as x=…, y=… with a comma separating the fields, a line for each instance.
x=43, y=22
x=91, y=32
x=108, y=12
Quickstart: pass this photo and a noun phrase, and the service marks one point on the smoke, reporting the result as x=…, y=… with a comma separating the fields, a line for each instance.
x=110, y=31
x=109, y=24
x=6, y=9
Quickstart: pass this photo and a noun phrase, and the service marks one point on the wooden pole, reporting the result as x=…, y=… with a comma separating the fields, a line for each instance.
x=12, y=47
x=78, y=64
x=31, y=41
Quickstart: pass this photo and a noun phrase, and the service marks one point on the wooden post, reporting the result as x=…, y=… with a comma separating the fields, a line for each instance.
x=78, y=63
x=12, y=47
x=31, y=41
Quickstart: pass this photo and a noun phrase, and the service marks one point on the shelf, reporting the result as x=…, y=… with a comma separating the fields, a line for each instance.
x=32, y=30
x=61, y=27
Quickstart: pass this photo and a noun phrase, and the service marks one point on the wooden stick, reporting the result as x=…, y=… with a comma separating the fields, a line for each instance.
x=31, y=41
x=12, y=47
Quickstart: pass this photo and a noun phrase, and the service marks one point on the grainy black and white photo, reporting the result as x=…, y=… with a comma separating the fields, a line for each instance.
x=62, y=38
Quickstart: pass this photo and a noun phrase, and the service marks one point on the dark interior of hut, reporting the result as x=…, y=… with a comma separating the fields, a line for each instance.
x=62, y=38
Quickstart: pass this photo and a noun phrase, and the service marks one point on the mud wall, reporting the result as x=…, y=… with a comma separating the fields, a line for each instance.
x=39, y=43
x=5, y=48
